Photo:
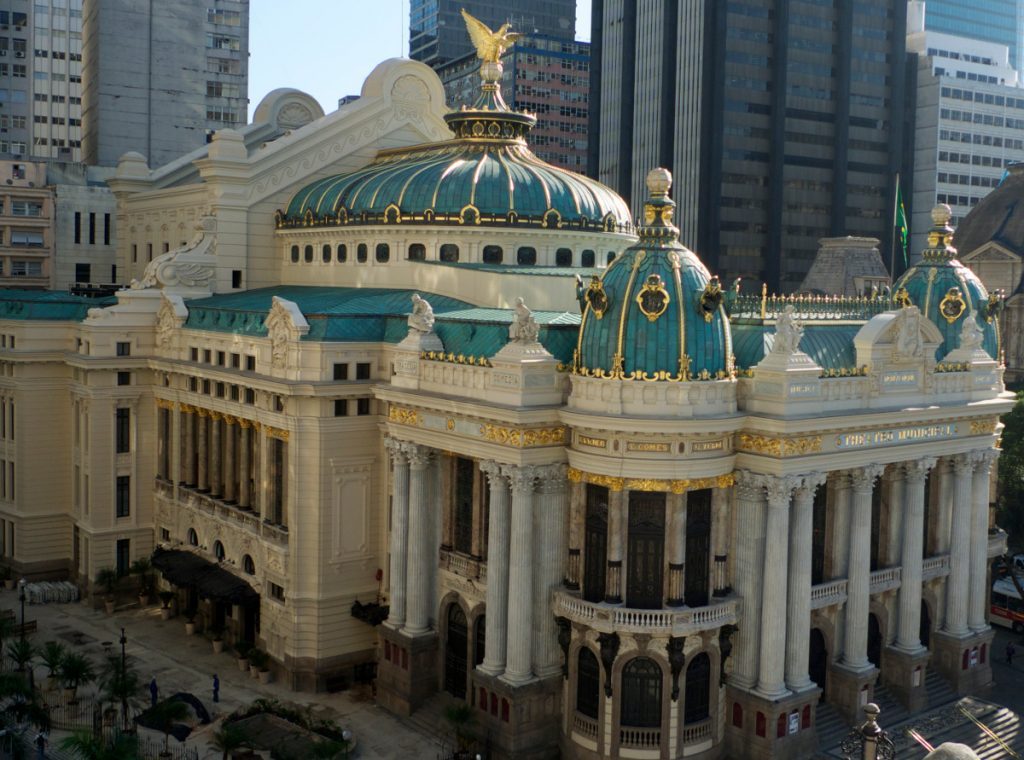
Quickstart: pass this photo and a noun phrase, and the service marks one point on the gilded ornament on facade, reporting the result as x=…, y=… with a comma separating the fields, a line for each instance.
x=901, y=298
x=710, y=299
x=596, y=297
x=163, y=403
x=983, y=427
x=281, y=435
x=653, y=298
x=952, y=306
x=651, y=484
x=994, y=305
x=523, y=438
x=404, y=416
x=779, y=447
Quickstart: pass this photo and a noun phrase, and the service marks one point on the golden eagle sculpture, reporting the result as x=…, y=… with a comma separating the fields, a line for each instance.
x=489, y=45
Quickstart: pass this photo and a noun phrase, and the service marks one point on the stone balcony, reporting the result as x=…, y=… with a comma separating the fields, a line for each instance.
x=463, y=565
x=884, y=579
x=608, y=618
x=223, y=512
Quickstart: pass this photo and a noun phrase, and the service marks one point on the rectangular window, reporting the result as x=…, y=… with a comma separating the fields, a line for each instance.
x=27, y=238
x=82, y=272
x=26, y=269
x=250, y=396
x=340, y=407
x=362, y=406
x=92, y=228
x=250, y=363
x=26, y=208
x=363, y=371
x=124, y=378
x=234, y=393
x=149, y=251
x=106, y=227
x=207, y=356
x=135, y=253
x=124, y=348
x=236, y=361
x=236, y=278
x=122, y=496
x=122, y=430
x=276, y=592
x=124, y=554
x=78, y=227
x=220, y=358
x=341, y=372
x=193, y=354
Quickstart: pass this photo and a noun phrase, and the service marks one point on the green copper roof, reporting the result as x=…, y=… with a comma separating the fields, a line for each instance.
x=532, y=270
x=947, y=292
x=656, y=313
x=829, y=345
x=48, y=304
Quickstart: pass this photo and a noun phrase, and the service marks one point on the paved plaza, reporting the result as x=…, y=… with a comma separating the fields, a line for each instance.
x=187, y=663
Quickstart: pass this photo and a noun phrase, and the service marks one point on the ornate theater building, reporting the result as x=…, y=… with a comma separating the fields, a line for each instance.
x=392, y=358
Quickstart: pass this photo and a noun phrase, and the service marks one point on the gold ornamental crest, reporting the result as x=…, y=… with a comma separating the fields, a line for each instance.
x=596, y=297
x=901, y=298
x=952, y=306
x=653, y=298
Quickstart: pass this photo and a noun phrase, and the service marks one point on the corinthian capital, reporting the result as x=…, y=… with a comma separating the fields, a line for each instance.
x=917, y=470
x=780, y=490
x=552, y=478
x=863, y=479
x=419, y=456
x=750, y=485
x=397, y=450
x=984, y=459
x=809, y=484
x=522, y=478
x=963, y=464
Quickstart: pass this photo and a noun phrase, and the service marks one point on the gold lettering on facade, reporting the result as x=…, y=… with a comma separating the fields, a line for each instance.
x=647, y=446
x=904, y=435
x=597, y=443
x=700, y=446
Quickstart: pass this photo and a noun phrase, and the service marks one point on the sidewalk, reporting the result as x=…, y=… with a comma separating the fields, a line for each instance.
x=187, y=663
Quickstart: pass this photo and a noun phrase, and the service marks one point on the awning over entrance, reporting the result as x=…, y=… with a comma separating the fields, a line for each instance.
x=210, y=580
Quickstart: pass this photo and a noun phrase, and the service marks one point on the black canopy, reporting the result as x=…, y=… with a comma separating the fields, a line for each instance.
x=211, y=580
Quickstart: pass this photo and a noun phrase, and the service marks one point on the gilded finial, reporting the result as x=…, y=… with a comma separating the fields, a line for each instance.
x=489, y=45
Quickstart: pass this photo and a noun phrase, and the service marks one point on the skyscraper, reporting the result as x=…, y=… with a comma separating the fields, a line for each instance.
x=782, y=121
x=1000, y=21
x=437, y=33
x=157, y=77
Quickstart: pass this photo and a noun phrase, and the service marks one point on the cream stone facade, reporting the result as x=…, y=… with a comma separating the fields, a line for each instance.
x=387, y=399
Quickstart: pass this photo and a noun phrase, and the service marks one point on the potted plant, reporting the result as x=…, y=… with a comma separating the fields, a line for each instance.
x=266, y=674
x=143, y=569
x=460, y=718
x=75, y=670
x=217, y=639
x=257, y=661
x=190, y=626
x=52, y=655
x=166, y=597
x=107, y=577
x=242, y=649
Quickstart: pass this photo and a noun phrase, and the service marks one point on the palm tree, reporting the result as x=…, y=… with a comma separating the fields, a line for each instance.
x=85, y=745
x=460, y=717
x=143, y=568
x=228, y=738
x=121, y=684
x=75, y=671
x=22, y=652
x=52, y=654
x=165, y=715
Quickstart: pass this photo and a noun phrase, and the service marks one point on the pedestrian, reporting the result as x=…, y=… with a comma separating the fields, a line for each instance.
x=1011, y=650
x=216, y=688
x=153, y=691
x=41, y=745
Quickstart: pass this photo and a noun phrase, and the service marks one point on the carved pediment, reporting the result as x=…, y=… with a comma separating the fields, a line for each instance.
x=285, y=322
x=990, y=252
x=903, y=337
x=170, y=317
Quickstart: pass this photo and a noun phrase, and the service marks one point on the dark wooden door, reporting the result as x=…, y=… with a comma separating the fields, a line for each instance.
x=646, y=550
x=455, y=653
x=595, y=544
x=818, y=535
x=817, y=661
x=698, y=548
x=926, y=625
x=874, y=641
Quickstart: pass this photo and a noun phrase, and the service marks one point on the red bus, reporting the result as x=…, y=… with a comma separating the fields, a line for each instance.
x=1006, y=607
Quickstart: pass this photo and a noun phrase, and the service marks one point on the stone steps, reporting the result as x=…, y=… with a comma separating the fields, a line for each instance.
x=429, y=720
x=830, y=725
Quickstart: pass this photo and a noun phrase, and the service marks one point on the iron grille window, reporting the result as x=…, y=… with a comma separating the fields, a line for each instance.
x=595, y=544
x=698, y=689
x=123, y=495
x=641, y=693
x=588, y=684
x=645, y=550
x=463, y=513
x=698, y=547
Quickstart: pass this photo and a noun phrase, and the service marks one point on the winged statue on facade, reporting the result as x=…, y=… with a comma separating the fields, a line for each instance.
x=489, y=45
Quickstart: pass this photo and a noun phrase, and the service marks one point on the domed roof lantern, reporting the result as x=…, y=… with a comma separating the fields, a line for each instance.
x=940, y=237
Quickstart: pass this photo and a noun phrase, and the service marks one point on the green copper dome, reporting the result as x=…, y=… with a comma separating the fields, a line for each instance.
x=657, y=313
x=486, y=175
x=947, y=292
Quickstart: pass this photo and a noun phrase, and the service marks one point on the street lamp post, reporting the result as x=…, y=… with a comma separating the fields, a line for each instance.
x=21, y=598
x=124, y=683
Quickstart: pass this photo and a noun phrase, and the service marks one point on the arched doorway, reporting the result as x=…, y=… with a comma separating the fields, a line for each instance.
x=697, y=701
x=926, y=625
x=817, y=661
x=874, y=640
x=455, y=653
x=641, y=694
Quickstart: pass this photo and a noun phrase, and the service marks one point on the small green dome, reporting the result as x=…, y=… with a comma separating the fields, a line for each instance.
x=656, y=314
x=947, y=292
x=486, y=175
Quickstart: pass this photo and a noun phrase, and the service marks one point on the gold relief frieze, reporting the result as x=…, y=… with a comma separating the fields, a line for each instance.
x=779, y=447
x=984, y=427
x=524, y=438
x=651, y=484
x=404, y=416
x=281, y=435
x=699, y=447
x=163, y=403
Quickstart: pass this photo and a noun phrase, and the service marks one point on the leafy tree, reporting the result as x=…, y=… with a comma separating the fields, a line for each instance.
x=1010, y=502
x=228, y=738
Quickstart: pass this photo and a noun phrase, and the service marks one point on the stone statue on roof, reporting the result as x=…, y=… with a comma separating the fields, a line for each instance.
x=421, y=320
x=788, y=333
x=524, y=328
x=971, y=336
x=908, y=344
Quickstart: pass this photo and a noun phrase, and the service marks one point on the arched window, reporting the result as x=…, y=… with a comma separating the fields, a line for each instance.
x=587, y=258
x=342, y=253
x=526, y=256
x=449, y=252
x=479, y=639
x=361, y=253
x=295, y=254
x=641, y=693
x=610, y=257
x=248, y=565
x=325, y=253
x=417, y=252
x=493, y=254
x=563, y=257
x=308, y=254
x=382, y=253
x=588, y=684
x=698, y=689
x=218, y=551
x=193, y=537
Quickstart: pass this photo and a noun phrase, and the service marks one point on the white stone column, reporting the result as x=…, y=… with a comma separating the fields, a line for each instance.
x=858, y=583
x=957, y=582
x=616, y=527
x=202, y=451
x=496, y=622
x=230, y=458
x=720, y=503
x=417, y=619
x=750, y=527
x=896, y=501
x=946, y=490
x=244, y=463
x=841, y=525
x=399, y=530
x=771, y=670
x=798, y=595
x=216, y=479
x=675, y=548
x=908, y=631
x=519, y=658
x=190, y=447
x=550, y=513
x=977, y=619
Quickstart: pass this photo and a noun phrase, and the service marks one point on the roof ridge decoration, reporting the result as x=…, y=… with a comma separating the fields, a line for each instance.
x=188, y=270
x=170, y=317
x=285, y=322
x=940, y=237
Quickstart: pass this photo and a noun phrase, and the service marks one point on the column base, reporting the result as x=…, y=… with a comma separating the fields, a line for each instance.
x=519, y=721
x=904, y=673
x=965, y=661
x=407, y=671
x=759, y=728
x=849, y=690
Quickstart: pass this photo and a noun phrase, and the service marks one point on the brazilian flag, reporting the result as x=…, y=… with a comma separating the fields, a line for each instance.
x=901, y=223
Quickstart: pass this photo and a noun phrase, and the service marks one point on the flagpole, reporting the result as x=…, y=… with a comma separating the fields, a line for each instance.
x=892, y=231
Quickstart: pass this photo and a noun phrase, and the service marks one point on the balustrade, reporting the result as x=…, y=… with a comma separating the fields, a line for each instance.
x=935, y=567
x=585, y=726
x=826, y=594
x=640, y=738
x=676, y=622
x=885, y=579
x=695, y=733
